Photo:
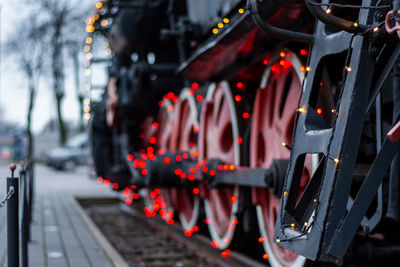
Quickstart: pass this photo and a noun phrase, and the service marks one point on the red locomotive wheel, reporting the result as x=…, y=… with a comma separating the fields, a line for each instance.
x=273, y=118
x=165, y=126
x=184, y=139
x=218, y=137
x=166, y=121
x=163, y=137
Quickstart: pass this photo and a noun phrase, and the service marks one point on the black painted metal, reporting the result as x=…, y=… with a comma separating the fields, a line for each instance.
x=334, y=21
x=271, y=178
x=124, y=142
x=348, y=227
x=31, y=191
x=24, y=211
x=323, y=205
x=393, y=209
x=162, y=174
x=389, y=59
x=275, y=31
x=325, y=215
x=12, y=223
x=220, y=57
x=368, y=225
x=243, y=176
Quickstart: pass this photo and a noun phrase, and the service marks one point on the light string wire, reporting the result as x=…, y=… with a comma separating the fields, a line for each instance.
x=344, y=75
x=305, y=229
x=311, y=2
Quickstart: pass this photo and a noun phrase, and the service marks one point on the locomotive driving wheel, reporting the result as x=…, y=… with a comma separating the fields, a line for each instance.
x=186, y=127
x=218, y=139
x=272, y=124
x=164, y=141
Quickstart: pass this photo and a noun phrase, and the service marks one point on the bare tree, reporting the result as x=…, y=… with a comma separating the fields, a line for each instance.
x=63, y=16
x=74, y=49
x=74, y=43
x=27, y=48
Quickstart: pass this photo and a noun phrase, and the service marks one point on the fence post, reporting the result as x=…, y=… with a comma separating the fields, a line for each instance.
x=23, y=176
x=12, y=220
x=31, y=194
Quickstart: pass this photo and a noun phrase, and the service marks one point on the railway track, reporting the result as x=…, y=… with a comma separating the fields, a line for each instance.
x=151, y=242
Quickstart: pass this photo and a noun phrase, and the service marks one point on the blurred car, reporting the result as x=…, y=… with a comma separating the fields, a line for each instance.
x=5, y=152
x=75, y=152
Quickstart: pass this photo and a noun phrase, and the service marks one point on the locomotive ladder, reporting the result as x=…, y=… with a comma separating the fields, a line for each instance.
x=321, y=223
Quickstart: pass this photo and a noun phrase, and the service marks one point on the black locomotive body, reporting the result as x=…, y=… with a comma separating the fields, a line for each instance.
x=269, y=121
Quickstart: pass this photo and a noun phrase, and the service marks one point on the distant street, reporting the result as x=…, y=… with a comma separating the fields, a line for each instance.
x=49, y=181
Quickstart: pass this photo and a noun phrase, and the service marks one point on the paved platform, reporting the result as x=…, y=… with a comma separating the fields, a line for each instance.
x=60, y=236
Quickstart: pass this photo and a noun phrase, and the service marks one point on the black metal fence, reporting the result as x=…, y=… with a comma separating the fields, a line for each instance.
x=19, y=200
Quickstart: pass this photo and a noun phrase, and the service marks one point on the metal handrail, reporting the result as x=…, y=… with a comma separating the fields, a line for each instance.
x=275, y=31
x=336, y=22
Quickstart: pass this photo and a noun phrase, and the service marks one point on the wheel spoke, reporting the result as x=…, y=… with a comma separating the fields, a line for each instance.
x=183, y=199
x=274, y=124
x=219, y=143
x=186, y=130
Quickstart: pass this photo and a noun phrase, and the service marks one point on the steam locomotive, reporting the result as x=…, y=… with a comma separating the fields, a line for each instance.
x=269, y=121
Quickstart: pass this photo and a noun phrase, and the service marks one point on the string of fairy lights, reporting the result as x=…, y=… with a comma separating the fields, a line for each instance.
x=131, y=193
x=89, y=40
x=306, y=226
x=220, y=25
x=88, y=50
x=217, y=29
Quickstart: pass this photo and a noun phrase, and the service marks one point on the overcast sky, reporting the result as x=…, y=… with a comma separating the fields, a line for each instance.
x=13, y=86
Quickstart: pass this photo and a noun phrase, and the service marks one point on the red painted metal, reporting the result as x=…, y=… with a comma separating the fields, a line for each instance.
x=273, y=117
x=394, y=134
x=240, y=43
x=217, y=141
x=184, y=138
x=165, y=129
